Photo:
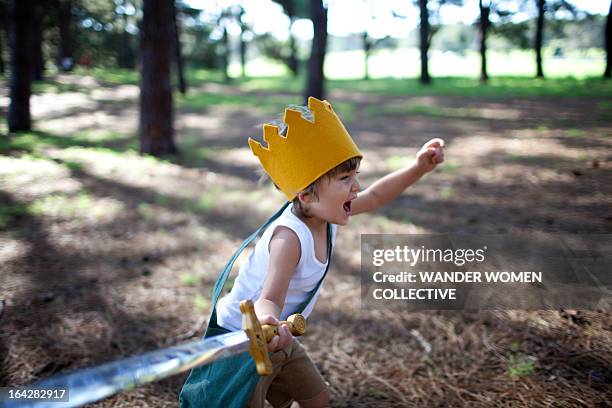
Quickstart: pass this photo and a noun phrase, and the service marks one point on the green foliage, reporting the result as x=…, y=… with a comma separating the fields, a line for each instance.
x=198, y=48
x=201, y=303
x=115, y=76
x=519, y=365
x=189, y=279
x=36, y=142
x=274, y=48
x=500, y=87
x=455, y=37
x=446, y=192
x=10, y=211
x=295, y=8
x=107, y=32
x=518, y=34
x=425, y=110
x=51, y=86
x=202, y=101
x=146, y=211
x=449, y=167
x=575, y=132
x=398, y=162
x=62, y=205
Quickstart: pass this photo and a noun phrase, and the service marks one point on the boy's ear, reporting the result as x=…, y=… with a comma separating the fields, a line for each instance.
x=305, y=196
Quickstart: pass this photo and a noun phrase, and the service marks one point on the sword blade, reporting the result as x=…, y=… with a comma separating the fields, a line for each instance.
x=92, y=384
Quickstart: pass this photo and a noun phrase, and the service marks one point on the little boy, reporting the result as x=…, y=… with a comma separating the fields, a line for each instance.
x=315, y=163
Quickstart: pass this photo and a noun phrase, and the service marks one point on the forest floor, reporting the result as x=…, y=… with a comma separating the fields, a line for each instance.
x=106, y=254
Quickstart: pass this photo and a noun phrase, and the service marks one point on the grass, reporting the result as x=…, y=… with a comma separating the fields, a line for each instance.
x=59, y=205
x=575, y=81
x=62, y=205
x=449, y=167
x=497, y=87
x=201, y=303
x=189, y=279
x=397, y=162
x=205, y=100
x=53, y=86
x=9, y=211
x=424, y=110
x=519, y=365
x=116, y=76
x=35, y=142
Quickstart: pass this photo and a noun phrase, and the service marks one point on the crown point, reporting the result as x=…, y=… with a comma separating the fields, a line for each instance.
x=318, y=105
x=255, y=146
x=270, y=132
x=291, y=116
x=312, y=102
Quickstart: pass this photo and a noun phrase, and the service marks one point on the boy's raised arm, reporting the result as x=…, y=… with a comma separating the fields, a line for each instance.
x=389, y=187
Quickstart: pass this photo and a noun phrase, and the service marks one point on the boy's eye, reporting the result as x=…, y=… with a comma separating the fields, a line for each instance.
x=348, y=176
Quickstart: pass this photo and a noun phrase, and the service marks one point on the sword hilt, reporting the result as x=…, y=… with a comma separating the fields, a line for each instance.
x=296, y=324
x=259, y=335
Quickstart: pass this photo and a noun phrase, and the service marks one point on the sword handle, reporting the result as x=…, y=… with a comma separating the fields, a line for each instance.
x=258, y=341
x=296, y=324
x=258, y=347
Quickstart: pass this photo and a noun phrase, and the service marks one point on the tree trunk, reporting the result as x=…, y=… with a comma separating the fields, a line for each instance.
x=539, y=37
x=289, y=7
x=126, y=58
x=316, y=77
x=367, y=45
x=156, y=130
x=243, y=51
x=22, y=65
x=37, y=33
x=225, y=56
x=294, y=65
x=66, y=57
x=608, y=41
x=180, y=72
x=243, y=44
x=3, y=31
x=484, y=26
x=424, y=41
x=2, y=69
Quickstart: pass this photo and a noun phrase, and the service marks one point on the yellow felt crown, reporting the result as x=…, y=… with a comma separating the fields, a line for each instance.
x=308, y=151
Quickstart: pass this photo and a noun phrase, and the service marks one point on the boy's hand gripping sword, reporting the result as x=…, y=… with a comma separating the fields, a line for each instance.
x=92, y=384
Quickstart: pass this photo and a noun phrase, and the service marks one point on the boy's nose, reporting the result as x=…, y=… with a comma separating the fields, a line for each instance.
x=356, y=187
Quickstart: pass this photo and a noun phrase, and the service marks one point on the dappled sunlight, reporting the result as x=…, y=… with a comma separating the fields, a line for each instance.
x=117, y=93
x=30, y=178
x=49, y=105
x=200, y=121
x=435, y=110
x=81, y=206
x=240, y=156
x=132, y=169
x=90, y=116
x=10, y=249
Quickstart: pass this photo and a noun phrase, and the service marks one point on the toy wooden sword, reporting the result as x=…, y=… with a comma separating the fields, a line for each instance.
x=92, y=384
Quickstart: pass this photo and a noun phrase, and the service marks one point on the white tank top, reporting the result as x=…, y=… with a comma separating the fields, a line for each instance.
x=251, y=277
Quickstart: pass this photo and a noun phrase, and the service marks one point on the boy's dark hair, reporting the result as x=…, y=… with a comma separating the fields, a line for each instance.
x=344, y=167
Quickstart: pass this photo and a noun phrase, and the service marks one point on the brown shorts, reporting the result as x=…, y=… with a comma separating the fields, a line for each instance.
x=294, y=377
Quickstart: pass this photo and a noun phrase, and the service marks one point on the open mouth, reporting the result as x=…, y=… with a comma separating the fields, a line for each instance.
x=347, y=207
